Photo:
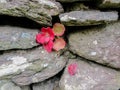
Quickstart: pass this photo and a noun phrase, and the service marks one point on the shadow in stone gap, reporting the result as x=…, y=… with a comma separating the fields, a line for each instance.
x=18, y=22
x=74, y=29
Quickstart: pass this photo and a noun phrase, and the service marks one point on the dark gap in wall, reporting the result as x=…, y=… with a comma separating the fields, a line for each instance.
x=93, y=4
x=73, y=29
x=108, y=9
x=55, y=19
x=18, y=22
x=1, y=52
x=119, y=14
x=31, y=88
x=67, y=6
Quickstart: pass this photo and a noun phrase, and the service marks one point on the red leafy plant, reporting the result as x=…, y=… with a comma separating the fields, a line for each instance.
x=51, y=38
x=72, y=69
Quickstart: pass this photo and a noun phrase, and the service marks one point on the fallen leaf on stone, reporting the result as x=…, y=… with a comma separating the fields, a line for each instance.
x=48, y=46
x=58, y=29
x=72, y=69
x=45, y=36
x=59, y=44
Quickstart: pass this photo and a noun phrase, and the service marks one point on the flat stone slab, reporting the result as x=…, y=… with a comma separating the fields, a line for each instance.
x=8, y=85
x=110, y=4
x=36, y=10
x=86, y=18
x=90, y=76
x=100, y=44
x=51, y=84
x=69, y=1
x=30, y=66
x=17, y=38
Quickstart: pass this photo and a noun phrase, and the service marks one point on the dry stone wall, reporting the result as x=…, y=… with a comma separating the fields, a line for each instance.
x=93, y=43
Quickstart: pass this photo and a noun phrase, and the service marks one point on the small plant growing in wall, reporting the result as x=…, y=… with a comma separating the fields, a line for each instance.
x=51, y=38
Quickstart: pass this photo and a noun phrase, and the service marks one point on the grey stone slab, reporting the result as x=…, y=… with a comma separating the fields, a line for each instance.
x=87, y=18
x=51, y=84
x=30, y=66
x=17, y=38
x=90, y=76
x=36, y=10
x=8, y=85
x=100, y=44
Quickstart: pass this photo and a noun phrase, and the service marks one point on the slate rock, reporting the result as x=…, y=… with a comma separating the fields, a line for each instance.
x=100, y=44
x=90, y=76
x=36, y=10
x=51, y=84
x=109, y=4
x=17, y=38
x=30, y=66
x=86, y=18
x=8, y=85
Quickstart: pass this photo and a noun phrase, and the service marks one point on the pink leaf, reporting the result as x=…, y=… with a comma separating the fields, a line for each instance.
x=58, y=29
x=45, y=36
x=48, y=46
x=72, y=68
x=59, y=44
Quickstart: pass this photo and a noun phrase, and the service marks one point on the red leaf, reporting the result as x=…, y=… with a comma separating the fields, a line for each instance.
x=45, y=36
x=72, y=68
x=58, y=29
x=48, y=46
x=59, y=44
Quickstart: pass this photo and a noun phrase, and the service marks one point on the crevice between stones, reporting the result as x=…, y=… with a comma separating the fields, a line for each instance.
x=18, y=21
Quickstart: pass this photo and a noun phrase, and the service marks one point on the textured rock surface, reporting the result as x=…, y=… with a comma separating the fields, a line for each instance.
x=84, y=18
x=90, y=76
x=37, y=10
x=30, y=66
x=51, y=84
x=8, y=85
x=17, y=38
x=66, y=1
x=100, y=44
x=110, y=4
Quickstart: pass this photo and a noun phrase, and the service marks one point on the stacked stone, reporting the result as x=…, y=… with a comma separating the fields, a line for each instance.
x=93, y=35
x=22, y=61
x=97, y=44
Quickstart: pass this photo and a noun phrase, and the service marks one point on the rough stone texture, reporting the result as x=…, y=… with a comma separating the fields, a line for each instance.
x=51, y=84
x=30, y=66
x=110, y=4
x=17, y=38
x=69, y=1
x=90, y=76
x=85, y=18
x=37, y=10
x=8, y=85
x=99, y=44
